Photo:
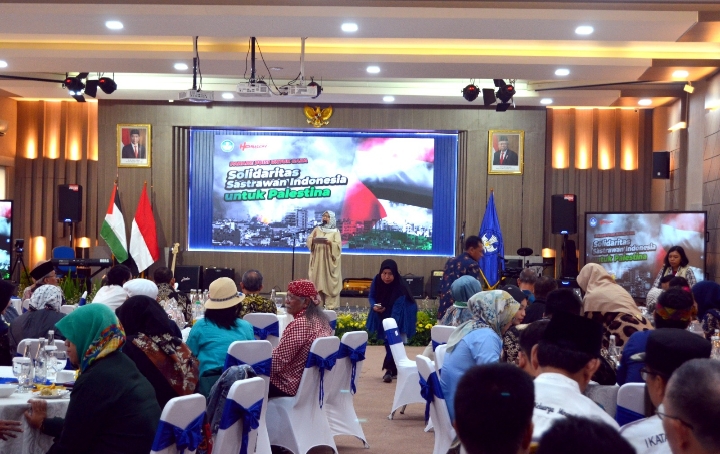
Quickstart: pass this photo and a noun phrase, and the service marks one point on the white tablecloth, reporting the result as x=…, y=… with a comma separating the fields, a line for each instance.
x=31, y=441
x=284, y=320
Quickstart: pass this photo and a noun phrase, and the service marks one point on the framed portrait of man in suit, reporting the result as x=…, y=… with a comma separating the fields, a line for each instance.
x=505, y=151
x=134, y=147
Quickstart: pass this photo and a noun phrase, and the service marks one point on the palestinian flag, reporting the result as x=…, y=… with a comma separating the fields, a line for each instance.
x=113, y=228
x=143, y=236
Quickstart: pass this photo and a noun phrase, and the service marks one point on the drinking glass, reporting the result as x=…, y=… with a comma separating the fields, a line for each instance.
x=21, y=369
x=56, y=363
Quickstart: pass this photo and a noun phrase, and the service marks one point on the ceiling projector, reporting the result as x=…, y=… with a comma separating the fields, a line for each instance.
x=253, y=89
x=196, y=96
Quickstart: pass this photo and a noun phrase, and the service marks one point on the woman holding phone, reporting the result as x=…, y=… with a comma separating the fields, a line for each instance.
x=390, y=297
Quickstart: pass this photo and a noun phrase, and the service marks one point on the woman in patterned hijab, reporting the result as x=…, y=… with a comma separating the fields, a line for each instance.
x=164, y=359
x=493, y=309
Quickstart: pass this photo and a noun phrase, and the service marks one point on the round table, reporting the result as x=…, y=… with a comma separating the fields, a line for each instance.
x=12, y=408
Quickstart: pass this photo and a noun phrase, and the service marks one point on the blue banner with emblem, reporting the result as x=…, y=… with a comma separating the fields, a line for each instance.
x=492, y=261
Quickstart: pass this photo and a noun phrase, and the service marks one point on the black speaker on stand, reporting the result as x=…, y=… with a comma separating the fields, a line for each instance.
x=661, y=165
x=70, y=206
x=564, y=214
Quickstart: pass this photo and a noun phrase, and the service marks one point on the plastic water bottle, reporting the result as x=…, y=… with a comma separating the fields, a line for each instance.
x=41, y=363
x=613, y=350
x=715, y=341
x=51, y=362
x=83, y=299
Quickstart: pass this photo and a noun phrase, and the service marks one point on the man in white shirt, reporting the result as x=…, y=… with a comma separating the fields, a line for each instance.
x=667, y=349
x=567, y=356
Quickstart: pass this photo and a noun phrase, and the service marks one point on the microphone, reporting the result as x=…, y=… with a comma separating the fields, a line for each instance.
x=324, y=223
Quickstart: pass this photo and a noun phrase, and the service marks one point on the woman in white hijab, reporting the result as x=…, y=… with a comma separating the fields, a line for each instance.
x=325, y=247
x=43, y=313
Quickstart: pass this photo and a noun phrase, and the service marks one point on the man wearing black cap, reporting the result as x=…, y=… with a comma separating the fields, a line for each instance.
x=134, y=150
x=667, y=349
x=567, y=356
x=42, y=274
x=504, y=156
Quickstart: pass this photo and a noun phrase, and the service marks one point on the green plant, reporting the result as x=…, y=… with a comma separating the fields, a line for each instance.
x=357, y=321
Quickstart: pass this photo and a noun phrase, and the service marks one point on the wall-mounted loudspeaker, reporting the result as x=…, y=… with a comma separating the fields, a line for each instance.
x=69, y=203
x=661, y=165
x=213, y=273
x=189, y=277
x=564, y=214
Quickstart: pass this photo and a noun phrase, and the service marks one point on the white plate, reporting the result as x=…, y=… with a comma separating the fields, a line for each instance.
x=59, y=395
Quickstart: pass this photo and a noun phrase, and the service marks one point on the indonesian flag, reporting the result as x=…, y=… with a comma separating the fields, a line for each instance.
x=113, y=228
x=143, y=237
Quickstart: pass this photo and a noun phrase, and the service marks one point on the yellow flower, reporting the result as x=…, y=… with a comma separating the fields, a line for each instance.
x=428, y=326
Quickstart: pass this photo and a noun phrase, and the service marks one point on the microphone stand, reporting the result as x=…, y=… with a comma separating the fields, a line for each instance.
x=294, y=241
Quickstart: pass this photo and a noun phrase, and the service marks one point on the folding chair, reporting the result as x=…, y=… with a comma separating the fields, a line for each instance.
x=298, y=423
x=180, y=428
x=242, y=416
x=341, y=384
x=33, y=345
x=435, y=407
x=440, y=335
x=265, y=327
x=407, y=388
x=332, y=318
x=630, y=403
x=440, y=357
x=258, y=355
x=67, y=308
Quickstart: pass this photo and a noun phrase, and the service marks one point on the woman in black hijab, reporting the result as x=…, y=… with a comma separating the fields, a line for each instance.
x=390, y=297
x=164, y=359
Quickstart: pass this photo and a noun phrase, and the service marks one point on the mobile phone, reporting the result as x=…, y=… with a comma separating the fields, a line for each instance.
x=377, y=305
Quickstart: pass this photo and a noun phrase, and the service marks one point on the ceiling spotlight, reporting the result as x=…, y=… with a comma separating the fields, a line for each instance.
x=373, y=69
x=180, y=66
x=3, y=64
x=228, y=96
x=546, y=101
x=75, y=86
x=505, y=91
x=688, y=88
x=389, y=98
x=584, y=30
x=275, y=68
x=349, y=27
x=470, y=92
x=645, y=102
x=680, y=74
x=91, y=87
x=107, y=85
x=114, y=25
x=562, y=72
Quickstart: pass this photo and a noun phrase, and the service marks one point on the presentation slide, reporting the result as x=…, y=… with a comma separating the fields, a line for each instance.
x=632, y=246
x=5, y=237
x=271, y=190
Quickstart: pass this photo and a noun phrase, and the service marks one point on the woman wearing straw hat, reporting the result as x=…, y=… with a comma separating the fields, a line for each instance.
x=211, y=336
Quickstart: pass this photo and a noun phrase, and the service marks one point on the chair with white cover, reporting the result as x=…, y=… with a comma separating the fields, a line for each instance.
x=25, y=305
x=603, y=395
x=33, y=344
x=258, y=355
x=340, y=385
x=67, y=308
x=265, y=326
x=435, y=407
x=407, y=388
x=630, y=403
x=332, y=319
x=242, y=416
x=180, y=428
x=440, y=357
x=440, y=335
x=298, y=423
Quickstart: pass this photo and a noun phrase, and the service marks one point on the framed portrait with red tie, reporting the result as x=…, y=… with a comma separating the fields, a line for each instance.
x=505, y=151
x=134, y=147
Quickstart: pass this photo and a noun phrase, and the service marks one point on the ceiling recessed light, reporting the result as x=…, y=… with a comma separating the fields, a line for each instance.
x=228, y=96
x=114, y=25
x=546, y=101
x=584, y=30
x=181, y=66
x=389, y=98
x=171, y=100
x=349, y=27
x=645, y=102
x=275, y=68
x=680, y=74
x=562, y=72
x=373, y=69
x=3, y=64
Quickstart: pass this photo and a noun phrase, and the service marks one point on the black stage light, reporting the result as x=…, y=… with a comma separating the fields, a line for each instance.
x=107, y=85
x=471, y=92
x=506, y=93
x=488, y=96
x=91, y=87
x=75, y=87
x=502, y=106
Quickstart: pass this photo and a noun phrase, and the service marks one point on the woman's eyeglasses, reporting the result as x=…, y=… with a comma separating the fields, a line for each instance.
x=662, y=415
x=644, y=374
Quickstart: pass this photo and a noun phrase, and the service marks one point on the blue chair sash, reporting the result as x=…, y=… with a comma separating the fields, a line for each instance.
x=356, y=355
x=393, y=336
x=261, y=368
x=315, y=360
x=188, y=438
x=436, y=344
x=626, y=416
x=428, y=390
x=333, y=324
x=273, y=329
x=8, y=380
x=233, y=412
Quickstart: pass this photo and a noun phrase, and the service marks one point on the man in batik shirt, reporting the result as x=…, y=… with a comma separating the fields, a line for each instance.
x=251, y=286
x=465, y=264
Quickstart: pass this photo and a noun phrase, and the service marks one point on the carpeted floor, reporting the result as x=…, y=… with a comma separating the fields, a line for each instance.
x=405, y=433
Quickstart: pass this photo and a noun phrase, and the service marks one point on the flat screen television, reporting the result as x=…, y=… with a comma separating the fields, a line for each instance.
x=632, y=246
x=6, y=207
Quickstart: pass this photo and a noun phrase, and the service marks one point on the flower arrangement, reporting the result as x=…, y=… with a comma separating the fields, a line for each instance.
x=356, y=321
